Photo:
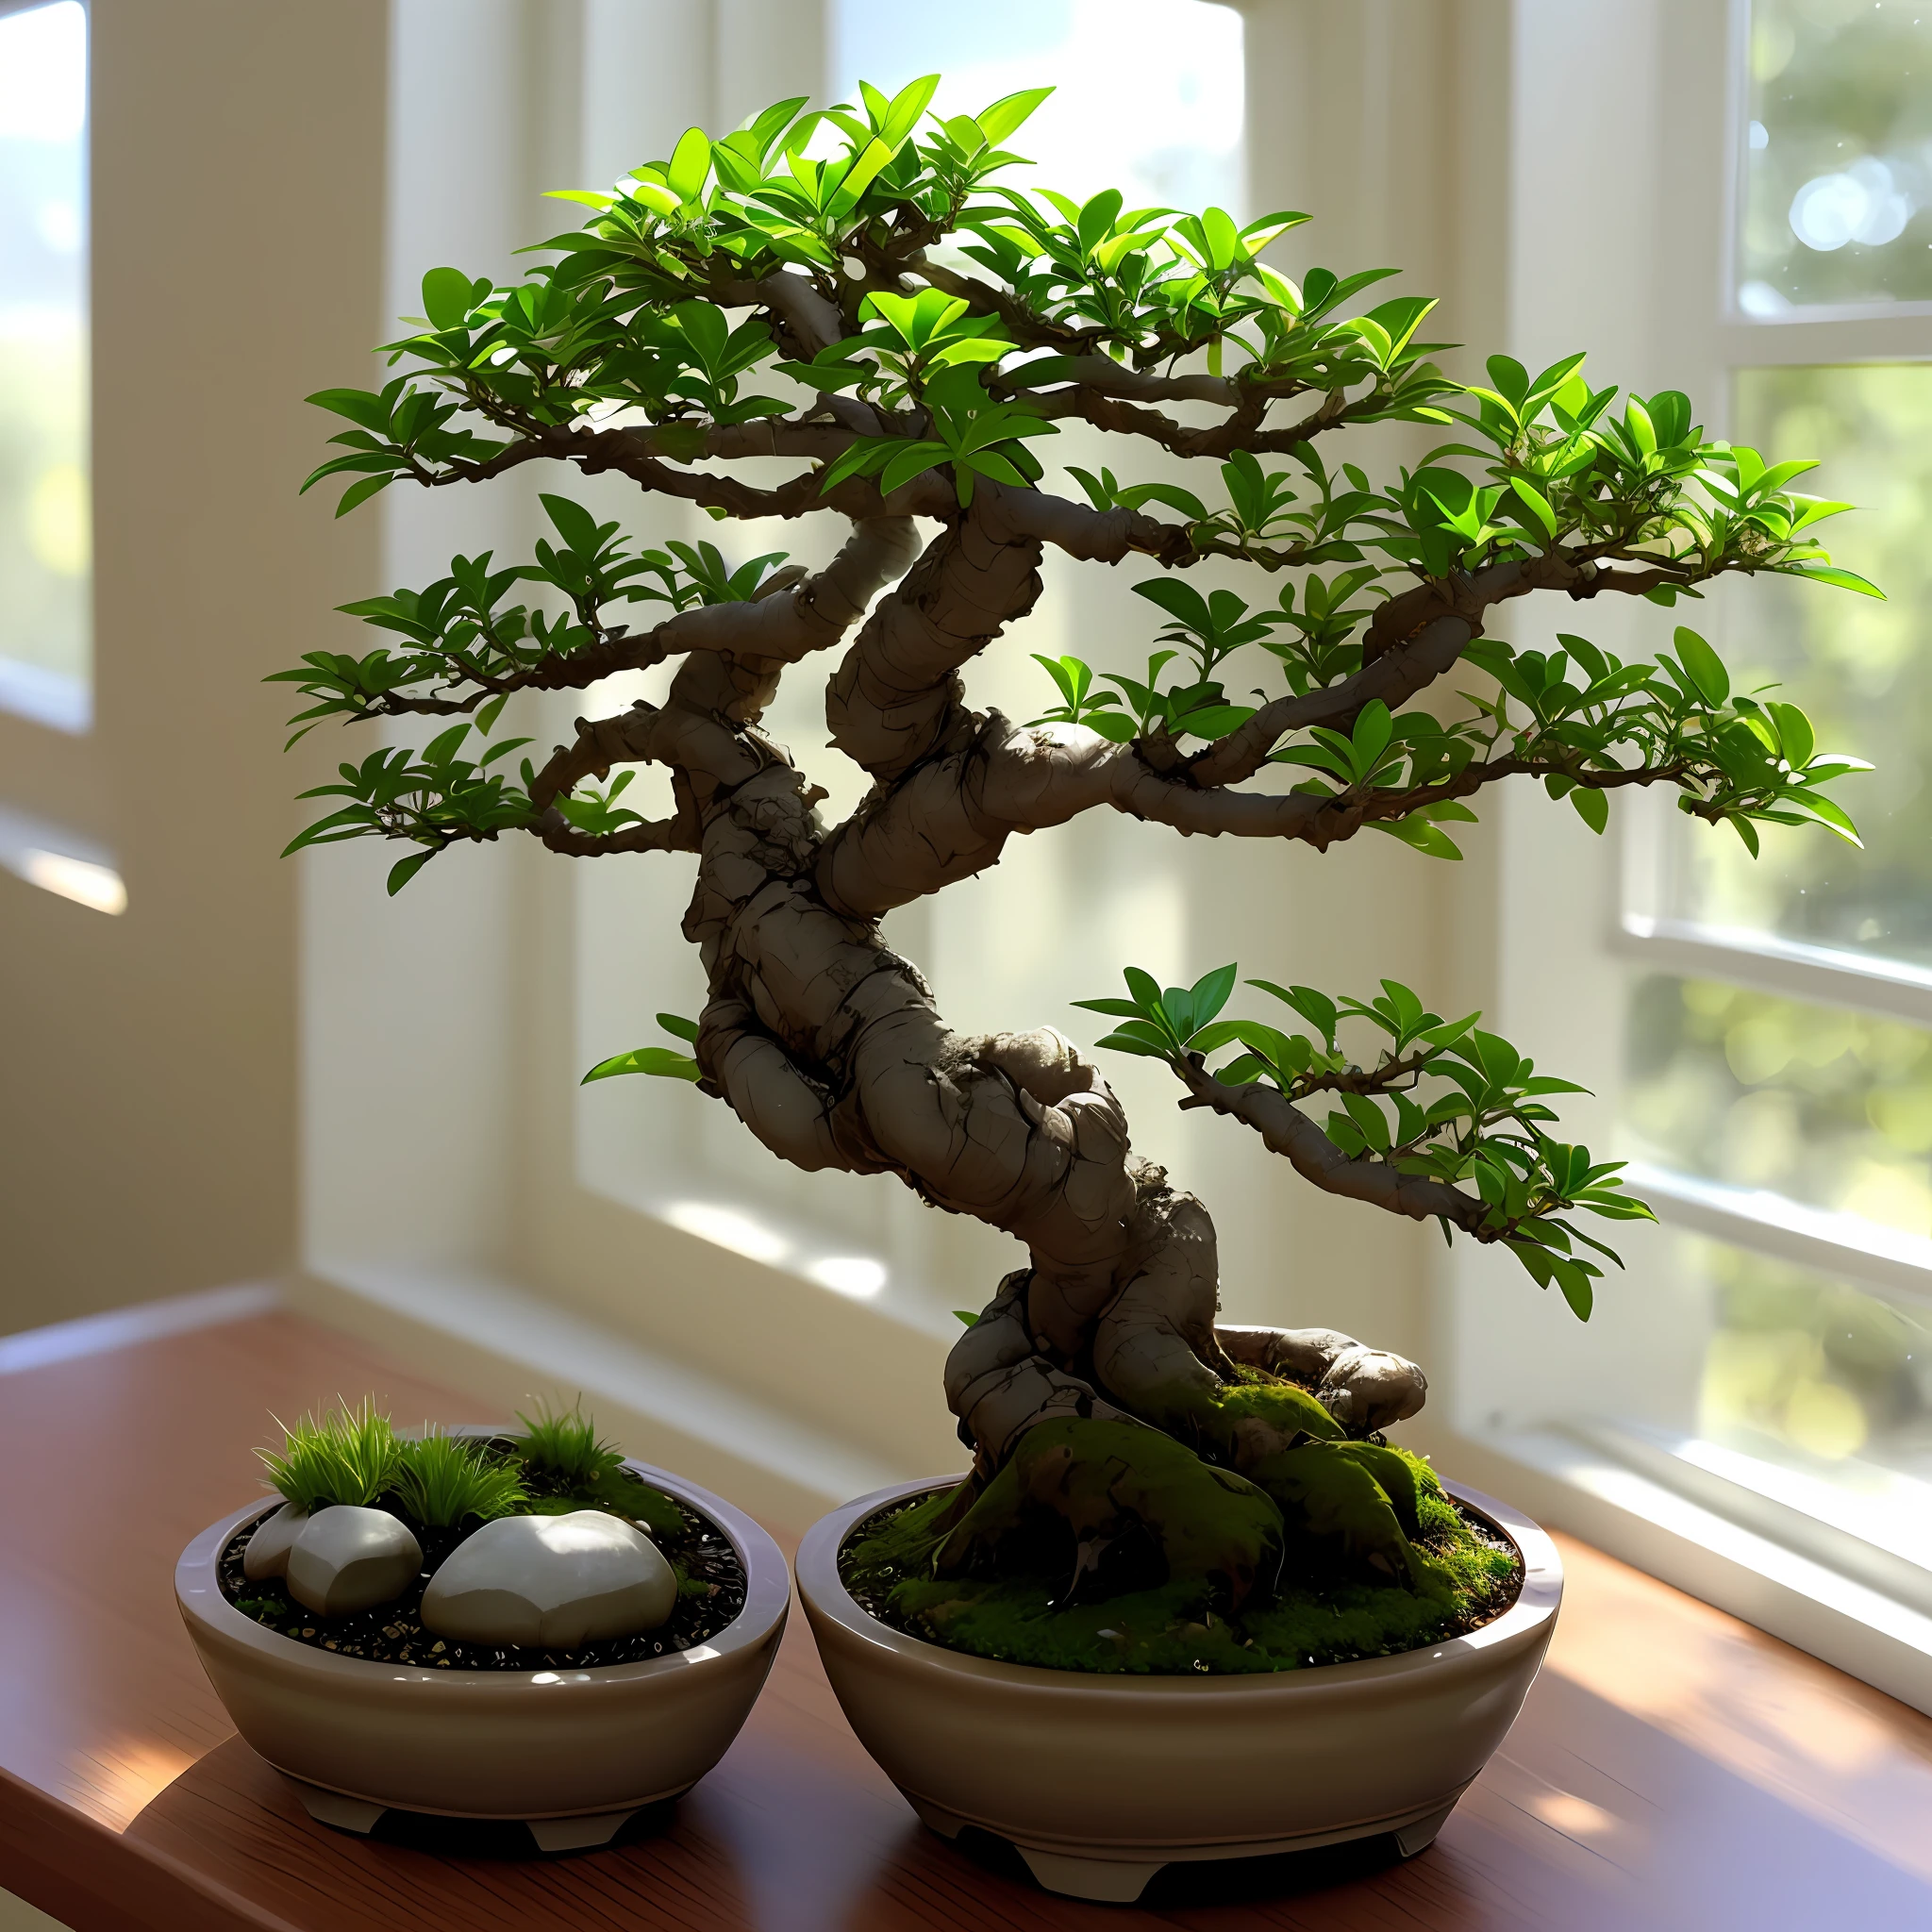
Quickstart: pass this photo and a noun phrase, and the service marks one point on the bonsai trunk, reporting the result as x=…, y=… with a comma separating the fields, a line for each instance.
x=832, y=1049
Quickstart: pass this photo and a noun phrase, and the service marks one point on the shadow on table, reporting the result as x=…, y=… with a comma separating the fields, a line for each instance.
x=237, y=1823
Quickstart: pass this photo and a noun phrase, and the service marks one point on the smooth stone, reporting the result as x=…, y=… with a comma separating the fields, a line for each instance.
x=350, y=1558
x=266, y=1551
x=550, y=1583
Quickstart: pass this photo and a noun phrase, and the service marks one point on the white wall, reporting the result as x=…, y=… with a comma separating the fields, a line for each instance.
x=148, y=1062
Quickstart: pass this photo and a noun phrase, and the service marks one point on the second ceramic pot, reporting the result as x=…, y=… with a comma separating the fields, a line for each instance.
x=1100, y=1780
x=572, y=1753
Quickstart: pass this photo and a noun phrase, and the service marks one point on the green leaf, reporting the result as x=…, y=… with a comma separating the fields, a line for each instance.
x=1593, y=808
x=1006, y=114
x=1370, y=1118
x=404, y=870
x=1123, y=1041
x=1535, y=501
x=676, y=1022
x=645, y=1059
x=362, y=492
x=690, y=162
x=446, y=297
x=967, y=1316
x=1794, y=733
x=359, y=404
x=908, y=103
x=1705, y=666
x=1576, y=1289
x=1373, y=730
x=1145, y=991
x=914, y=459
x=1821, y=808
x=1210, y=994
x=574, y=523
x=1418, y=832
x=1830, y=574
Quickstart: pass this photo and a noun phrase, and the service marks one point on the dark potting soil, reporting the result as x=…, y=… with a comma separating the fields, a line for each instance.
x=710, y=1595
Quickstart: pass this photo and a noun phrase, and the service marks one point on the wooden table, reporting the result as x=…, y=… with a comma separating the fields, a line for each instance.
x=1673, y=1768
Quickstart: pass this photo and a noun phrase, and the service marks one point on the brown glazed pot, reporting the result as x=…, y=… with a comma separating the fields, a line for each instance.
x=571, y=1753
x=1099, y=1781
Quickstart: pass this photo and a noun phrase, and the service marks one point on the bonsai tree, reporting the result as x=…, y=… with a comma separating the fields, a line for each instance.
x=904, y=333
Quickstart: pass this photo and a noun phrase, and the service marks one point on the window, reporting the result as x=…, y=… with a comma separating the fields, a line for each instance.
x=1773, y=1083
x=44, y=518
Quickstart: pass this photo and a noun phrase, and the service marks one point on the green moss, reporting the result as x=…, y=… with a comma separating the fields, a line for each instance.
x=1285, y=1403
x=620, y=1492
x=652, y=1509
x=1077, y=1489
x=1320, y=1615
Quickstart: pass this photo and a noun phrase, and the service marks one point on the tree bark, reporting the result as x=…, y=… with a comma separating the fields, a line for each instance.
x=830, y=1047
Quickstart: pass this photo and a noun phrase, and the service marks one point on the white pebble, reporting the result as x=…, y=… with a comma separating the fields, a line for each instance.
x=550, y=1583
x=267, y=1550
x=350, y=1558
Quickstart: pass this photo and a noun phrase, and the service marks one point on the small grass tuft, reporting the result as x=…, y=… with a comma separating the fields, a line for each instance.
x=350, y=1457
x=443, y=1481
x=563, y=1443
x=568, y=1466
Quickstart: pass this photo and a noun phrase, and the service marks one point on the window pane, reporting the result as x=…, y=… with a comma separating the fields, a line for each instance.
x=1861, y=668
x=1830, y=1385
x=1824, y=1106
x=44, y=520
x=1837, y=199
x=1164, y=129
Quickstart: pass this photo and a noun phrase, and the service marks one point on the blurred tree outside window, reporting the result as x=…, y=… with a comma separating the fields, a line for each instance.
x=1805, y=1101
x=1821, y=1105
x=45, y=645
x=1828, y=1382
x=1838, y=199
x=1861, y=669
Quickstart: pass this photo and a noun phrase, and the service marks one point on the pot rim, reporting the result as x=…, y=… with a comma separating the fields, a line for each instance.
x=767, y=1597
x=1524, y=1622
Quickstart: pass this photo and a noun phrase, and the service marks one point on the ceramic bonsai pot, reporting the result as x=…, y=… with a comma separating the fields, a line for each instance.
x=570, y=1753
x=1099, y=1781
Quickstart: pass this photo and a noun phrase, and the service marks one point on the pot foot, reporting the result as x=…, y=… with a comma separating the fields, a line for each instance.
x=337, y=1808
x=578, y=1834
x=479, y=1838
x=1419, y=1837
x=1108, y=1881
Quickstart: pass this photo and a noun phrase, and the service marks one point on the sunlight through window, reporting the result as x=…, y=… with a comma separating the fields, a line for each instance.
x=45, y=518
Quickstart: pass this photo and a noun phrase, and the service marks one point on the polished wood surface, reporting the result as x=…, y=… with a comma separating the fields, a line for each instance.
x=1673, y=1769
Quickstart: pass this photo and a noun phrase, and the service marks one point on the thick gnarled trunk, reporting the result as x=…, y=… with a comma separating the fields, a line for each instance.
x=830, y=1048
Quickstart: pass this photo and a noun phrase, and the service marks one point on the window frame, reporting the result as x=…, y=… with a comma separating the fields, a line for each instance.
x=1641, y=1488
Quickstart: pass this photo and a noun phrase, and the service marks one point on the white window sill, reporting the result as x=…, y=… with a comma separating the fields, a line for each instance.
x=46, y=697
x=1604, y=1494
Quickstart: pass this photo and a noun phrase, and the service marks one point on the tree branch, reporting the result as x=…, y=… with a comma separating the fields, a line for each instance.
x=1286, y=1130
x=1240, y=431
x=951, y=816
